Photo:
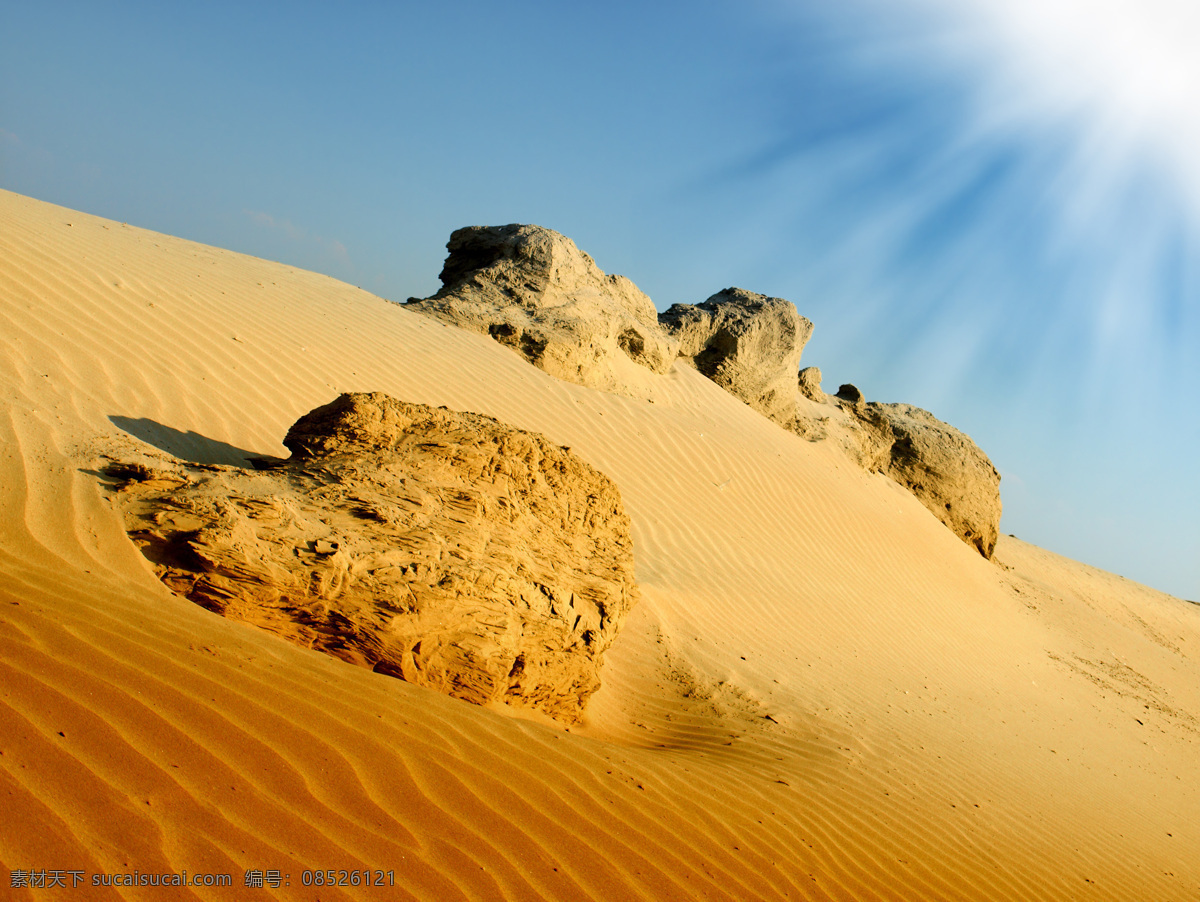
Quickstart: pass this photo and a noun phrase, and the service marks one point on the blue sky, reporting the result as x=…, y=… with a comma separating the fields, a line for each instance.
x=987, y=208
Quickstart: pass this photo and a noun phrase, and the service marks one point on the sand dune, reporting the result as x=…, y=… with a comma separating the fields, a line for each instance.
x=822, y=693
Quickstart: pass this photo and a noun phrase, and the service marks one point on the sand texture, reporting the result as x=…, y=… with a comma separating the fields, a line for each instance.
x=822, y=692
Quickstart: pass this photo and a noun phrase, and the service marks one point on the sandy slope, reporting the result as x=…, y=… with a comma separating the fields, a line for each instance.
x=823, y=694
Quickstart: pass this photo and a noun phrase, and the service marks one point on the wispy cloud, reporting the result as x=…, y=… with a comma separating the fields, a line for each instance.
x=1130, y=68
x=301, y=236
x=266, y=220
x=998, y=203
x=1011, y=185
x=339, y=252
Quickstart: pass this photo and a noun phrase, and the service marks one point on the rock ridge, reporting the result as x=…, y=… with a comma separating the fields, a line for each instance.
x=533, y=290
x=939, y=464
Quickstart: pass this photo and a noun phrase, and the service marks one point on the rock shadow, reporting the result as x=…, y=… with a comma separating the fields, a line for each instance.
x=189, y=446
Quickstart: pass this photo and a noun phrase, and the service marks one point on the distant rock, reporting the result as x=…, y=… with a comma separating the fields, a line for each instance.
x=850, y=393
x=534, y=291
x=946, y=471
x=940, y=465
x=751, y=346
x=747, y=343
x=810, y=384
x=443, y=548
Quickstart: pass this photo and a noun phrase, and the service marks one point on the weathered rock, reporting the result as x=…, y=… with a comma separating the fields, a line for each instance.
x=747, y=343
x=940, y=465
x=810, y=384
x=533, y=290
x=444, y=548
x=751, y=345
x=861, y=430
x=946, y=471
x=850, y=393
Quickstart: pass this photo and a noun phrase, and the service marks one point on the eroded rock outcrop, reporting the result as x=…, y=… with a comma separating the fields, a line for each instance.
x=940, y=465
x=533, y=290
x=810, y=384
x=947, y=472
x=444, y=548
x=747, y=343
x=751, y=346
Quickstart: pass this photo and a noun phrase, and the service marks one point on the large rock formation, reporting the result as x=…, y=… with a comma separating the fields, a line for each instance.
x=747, y=343
x=444, y=548
x=533, y=290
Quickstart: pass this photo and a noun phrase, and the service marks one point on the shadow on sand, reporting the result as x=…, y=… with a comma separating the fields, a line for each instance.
x=189, y=446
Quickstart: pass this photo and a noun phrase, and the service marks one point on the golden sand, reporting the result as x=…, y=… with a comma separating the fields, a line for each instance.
x=822, y=694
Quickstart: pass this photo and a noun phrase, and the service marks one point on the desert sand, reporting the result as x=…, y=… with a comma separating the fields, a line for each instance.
x=822, y=692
